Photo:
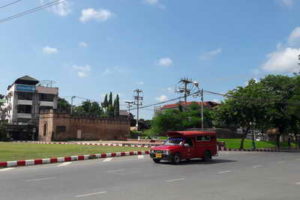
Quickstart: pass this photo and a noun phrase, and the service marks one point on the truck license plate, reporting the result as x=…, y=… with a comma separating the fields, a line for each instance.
x=158, y=155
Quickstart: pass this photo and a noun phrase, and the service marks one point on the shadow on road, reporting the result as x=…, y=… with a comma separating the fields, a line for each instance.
x=201, y=162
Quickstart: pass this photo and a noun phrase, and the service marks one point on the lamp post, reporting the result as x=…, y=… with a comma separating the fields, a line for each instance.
x=200, y=91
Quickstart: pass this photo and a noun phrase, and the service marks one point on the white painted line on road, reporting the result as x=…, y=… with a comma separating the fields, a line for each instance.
x=64, y=164
x=40, y=179
x=90, y=194
x=6, y=169
x=141, y=156
x=256, y=166
x=107, y=159
x=224, y=172
x=298, y=183
x=174, y=180
x=115, y=171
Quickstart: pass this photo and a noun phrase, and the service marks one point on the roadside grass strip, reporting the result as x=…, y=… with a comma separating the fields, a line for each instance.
x=26, y=154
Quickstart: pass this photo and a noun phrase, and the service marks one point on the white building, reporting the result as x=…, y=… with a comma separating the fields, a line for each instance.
x=26, y=98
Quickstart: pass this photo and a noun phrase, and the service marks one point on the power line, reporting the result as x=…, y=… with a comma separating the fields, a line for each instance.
x=9, y=4
x=30, y=11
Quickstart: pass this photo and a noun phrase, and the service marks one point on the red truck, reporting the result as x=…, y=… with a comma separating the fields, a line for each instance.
x=186, y=145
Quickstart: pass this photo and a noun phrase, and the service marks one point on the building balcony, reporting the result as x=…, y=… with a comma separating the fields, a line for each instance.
x=25, y=102
x=24, y=115
x=47, y=103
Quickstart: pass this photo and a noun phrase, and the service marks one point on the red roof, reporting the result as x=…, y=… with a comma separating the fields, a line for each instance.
x=190, y=133
x=175, y=105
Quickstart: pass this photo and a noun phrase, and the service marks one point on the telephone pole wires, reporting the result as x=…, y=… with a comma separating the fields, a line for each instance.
x=138, y=102
x=129, y=105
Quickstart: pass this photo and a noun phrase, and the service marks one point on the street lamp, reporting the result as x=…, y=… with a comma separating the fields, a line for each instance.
x=200, y=91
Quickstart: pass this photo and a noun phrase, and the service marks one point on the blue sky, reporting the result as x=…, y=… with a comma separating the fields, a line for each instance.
x=92, y=47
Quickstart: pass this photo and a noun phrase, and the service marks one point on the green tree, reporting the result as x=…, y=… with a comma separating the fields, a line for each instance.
x=110, y=100
x=280, y=90
x=63, y=105
x=244, y=107
x=117, y=106
x=89, y=108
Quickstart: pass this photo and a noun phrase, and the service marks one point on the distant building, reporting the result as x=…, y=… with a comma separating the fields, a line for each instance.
x=62, y=126
x=206, y=104
x=26, y=98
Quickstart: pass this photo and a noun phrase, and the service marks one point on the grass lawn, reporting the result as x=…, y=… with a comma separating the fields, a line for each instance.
x=22, y=151
x=235, y=144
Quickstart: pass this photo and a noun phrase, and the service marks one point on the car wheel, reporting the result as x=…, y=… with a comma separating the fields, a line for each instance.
x=207, y=156
x=156, y=160
x=176, y=159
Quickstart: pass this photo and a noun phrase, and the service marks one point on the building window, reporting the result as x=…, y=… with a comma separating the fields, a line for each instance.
x=24, y=109
x=60, y=129
x=45, y=108
x=45, y=129
x=25, y=96
x=47, y=97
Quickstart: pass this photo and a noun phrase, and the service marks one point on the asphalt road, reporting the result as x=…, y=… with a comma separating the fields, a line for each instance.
x=231, y=176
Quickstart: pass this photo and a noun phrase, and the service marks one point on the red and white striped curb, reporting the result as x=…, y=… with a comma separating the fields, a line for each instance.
x=94, y=144
x=249, y=150
x=69, y=158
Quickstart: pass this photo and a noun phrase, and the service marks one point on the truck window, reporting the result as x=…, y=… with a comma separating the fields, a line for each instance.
x=203, y=138
x=189, y=141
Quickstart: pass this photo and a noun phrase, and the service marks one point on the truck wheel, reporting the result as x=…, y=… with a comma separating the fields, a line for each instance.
x=156, y=160
x=207, y=156
x=176, y=158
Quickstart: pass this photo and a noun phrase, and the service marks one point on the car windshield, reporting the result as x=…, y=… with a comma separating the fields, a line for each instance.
x=173, y=141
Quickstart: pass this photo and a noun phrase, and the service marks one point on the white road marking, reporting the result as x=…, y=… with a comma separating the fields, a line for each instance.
x=7, y=169
x=64, y=164
x=224, y=172
x=256, y=166
x=298, y=183
x=90, y=194
x=115, y=171
x=280, y=162
x=141, y=156
x=174, y=180
x=107, y=159
x=40, y=179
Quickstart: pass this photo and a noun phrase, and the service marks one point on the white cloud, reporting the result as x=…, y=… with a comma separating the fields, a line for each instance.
x=112, y=70
x=165, y=62
x=83, y=44
x=50, y=50
x=287, y=3
x=100, y=15
x=82, y=71
x=152, y=2
x=216, y=100
x=140, y=83
x=62, y=9
x=285, y=60
x=294, y=37
x=170, y=89
x=210, y=54
x=162, y=98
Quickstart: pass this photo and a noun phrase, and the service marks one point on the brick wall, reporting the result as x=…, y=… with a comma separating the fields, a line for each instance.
x=55, y=126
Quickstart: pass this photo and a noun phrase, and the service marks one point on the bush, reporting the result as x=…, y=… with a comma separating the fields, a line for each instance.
x=3, y=131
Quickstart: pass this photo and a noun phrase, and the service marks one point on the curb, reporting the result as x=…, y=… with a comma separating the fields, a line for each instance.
x=20, y=163
x=94, y=144
x=250, y=150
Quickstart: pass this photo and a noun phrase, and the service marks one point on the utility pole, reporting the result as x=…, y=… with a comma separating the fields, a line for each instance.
x=72, y=99
x=201, y=94
x=138, y=102
x=184, y=88
x=202, y=109
x=130, y=103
